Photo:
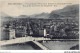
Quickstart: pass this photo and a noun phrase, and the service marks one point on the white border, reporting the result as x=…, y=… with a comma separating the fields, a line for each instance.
x=43, y=51
x=38, y=51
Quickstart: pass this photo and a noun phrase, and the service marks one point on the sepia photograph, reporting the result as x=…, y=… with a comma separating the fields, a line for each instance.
x=39, y=25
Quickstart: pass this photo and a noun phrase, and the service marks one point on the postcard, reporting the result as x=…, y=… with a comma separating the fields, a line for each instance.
x=39, y=25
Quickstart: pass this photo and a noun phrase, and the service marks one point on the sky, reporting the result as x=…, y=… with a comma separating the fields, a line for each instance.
x=20, y=8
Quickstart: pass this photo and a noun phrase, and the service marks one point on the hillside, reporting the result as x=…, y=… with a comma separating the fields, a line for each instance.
x=68, y=11
x=41, y=15
x=5, y=17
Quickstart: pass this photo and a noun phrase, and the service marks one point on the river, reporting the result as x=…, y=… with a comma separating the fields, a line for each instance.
x=52, y=45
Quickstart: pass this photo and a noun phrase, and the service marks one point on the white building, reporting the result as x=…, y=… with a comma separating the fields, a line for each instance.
x=45, y=34
x=12, y=34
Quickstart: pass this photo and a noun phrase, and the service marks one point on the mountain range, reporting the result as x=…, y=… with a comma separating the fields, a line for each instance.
x=68, y=11
x=41, y=15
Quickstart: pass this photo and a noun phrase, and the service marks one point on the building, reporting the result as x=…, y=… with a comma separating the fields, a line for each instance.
x=20, y=31
x=12, y=34
x=7, y=34
x=42, y=32
x=45, y=34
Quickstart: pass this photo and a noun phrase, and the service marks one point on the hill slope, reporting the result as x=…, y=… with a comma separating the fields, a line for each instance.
x=68, y=11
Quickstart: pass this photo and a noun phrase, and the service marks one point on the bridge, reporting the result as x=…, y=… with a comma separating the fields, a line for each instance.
x=27, y=39
x=40, y=45
x=22, y=40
